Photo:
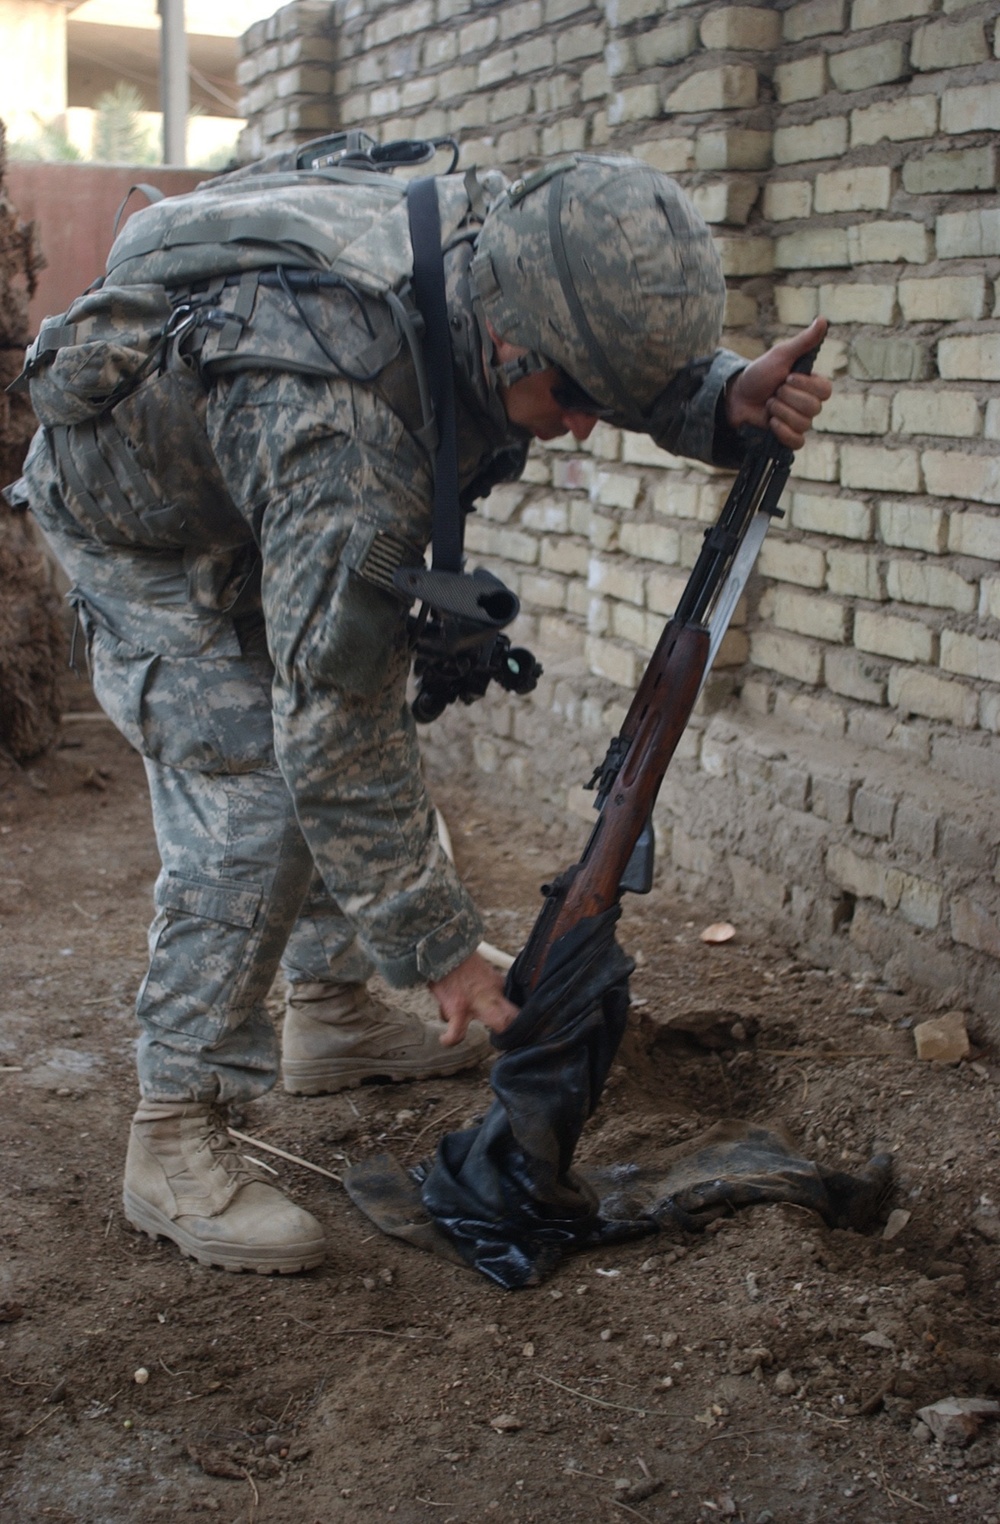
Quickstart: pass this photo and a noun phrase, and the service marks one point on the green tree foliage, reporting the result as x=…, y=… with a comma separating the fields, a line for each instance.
x=49, y=143
x=119, y=134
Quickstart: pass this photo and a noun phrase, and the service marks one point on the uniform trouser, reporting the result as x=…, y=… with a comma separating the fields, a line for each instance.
x=267, y=780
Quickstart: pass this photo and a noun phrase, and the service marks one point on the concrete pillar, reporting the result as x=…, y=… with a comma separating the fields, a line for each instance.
x=174, y=93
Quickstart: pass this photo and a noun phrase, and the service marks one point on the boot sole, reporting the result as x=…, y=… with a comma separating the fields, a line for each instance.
x=261, y=1260
x=315, y=1077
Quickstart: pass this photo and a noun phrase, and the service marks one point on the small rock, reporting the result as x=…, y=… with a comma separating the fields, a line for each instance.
x=987, y=1224
x=922, y=1432
x=506, y=1423
x=369, y=1282
x=943, y=1039
x=895, y=1223
x=528, y=1351
x=877, y=1340
x=957, y=1420
x=785, y=1384
x=141, y=1376
x=607, y=1334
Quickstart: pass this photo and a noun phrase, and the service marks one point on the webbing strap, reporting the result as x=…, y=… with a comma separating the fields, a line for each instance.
x=242, y=308
x=429, y=290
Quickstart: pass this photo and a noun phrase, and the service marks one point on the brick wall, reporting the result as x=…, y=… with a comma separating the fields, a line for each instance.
x=841, y=780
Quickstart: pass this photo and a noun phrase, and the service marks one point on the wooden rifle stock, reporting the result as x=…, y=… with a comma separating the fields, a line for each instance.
x=630, y=777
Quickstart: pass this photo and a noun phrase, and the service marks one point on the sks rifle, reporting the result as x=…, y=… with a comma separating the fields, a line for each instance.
x=619, y=853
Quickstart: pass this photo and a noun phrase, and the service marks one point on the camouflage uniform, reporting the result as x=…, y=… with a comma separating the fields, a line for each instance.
x=263, y=682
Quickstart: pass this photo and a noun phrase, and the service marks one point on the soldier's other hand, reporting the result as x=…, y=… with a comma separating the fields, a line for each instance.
x=472, y=992
x=769, y=394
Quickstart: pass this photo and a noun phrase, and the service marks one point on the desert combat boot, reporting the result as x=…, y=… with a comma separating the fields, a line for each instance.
x=336, y=1036
x=185, y=1180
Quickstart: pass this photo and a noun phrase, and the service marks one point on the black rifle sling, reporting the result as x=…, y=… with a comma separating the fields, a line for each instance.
x=429, y=291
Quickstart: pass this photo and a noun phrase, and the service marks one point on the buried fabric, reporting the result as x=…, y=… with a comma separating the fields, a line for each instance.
x=503, y=1197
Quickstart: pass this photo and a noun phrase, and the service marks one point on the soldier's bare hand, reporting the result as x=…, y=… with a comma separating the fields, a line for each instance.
x=472, y=992
x=769, y=394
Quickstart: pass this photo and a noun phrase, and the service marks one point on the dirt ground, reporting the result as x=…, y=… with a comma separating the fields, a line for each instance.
x=767, y=1371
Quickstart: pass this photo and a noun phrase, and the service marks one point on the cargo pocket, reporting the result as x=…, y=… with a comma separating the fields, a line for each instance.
x=364, y=627
x=209, y=714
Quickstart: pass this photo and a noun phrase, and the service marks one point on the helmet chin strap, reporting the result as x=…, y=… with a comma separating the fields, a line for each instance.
x=504, y=373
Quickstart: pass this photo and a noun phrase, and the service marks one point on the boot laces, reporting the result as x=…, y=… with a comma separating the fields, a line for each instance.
x=223, y=1151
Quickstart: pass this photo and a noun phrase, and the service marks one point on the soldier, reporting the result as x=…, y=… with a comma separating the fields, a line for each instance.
x=207, y=510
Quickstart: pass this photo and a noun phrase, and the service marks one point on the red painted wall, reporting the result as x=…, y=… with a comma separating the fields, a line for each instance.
x=74, y=206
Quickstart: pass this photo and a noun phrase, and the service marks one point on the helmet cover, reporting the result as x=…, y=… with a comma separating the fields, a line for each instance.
x=601, y=265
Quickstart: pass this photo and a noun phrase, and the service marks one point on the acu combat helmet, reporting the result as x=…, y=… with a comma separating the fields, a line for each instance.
x=601, y=266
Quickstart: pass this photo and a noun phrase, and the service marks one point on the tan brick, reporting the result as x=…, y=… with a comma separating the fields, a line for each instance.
x=976, y=926
x=932, y=697
x=516, y=19
x=944, y=298
x=948, y=45
x=787, y=655
x=792, y=561
x=816, y=461
x=921, y=412
x=726, y=201
x=796, y=305
x=640, y=103
x=852, y=675
x=495, y=68
x=806, y=614
x=989, y=598
x=614, y=662
x=745, y=255
x=991, y=428
x=934, y=586
x=478, y=35
x=615, y=579
x=544, y=592
x=813, y=249
x=629, y=623
x=953, y=170
x=741, y=26
x=567, y=136
x=520, y=144
x=614, y=489
x=913, y=526
x=595, y=82
x=663, y=591
x=802, y=80
x=651, y=542
x=855, y=574
x=671, y=155
x=816, y=18
x=880, y=469
x=723, y=89
x=950, y=474
x=865, y=188
x=784, y=199
x=970, y=357
x=741, y=308
x=969, y=656
x=920, y=901
x=866, y=13
x=872, y=243
x=853, y=412
x=858, y=303
x=514, y=545
x=560, y=92
x=888, y=635
x=975, y=108
x=895, y=359
x=825, y=139
x=733, y=148
x=679, y=500
x=579, y=42
x=975, y=534
x=866, y=877
x=570, y=557
x=974, y=233
x=911, y=116
x=861, y=68
x=667, y=44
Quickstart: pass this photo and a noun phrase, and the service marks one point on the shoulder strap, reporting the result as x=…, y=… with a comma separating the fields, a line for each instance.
x=429, y=290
